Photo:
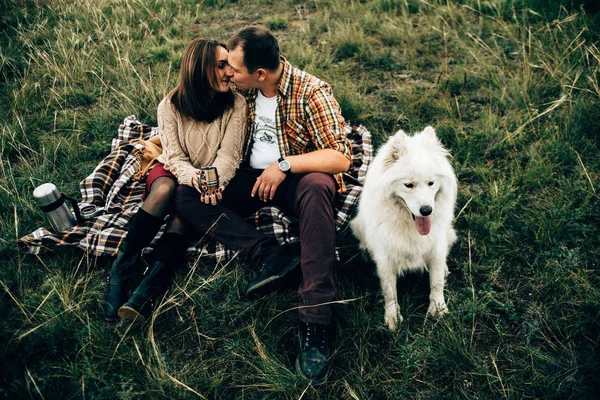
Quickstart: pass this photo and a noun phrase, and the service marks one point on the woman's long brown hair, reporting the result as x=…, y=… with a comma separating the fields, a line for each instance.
x=195, y=96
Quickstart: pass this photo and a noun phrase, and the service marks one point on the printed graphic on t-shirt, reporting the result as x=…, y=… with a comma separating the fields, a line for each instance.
x=265, y=147
x=264, y=130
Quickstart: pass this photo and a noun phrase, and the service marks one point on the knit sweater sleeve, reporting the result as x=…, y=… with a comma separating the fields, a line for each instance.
x=230, y=150
x=175, y=156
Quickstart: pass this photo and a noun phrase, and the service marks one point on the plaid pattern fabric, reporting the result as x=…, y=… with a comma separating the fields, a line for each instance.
x=308, y=117
x=113, y=188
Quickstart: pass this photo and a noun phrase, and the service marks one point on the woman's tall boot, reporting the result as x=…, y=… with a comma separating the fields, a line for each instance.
x=143, y=227
x=169, y=254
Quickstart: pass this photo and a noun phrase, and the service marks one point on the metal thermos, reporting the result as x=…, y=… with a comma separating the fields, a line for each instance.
x=52, y=202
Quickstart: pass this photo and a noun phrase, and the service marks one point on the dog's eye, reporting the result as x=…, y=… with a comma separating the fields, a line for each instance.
x=409, y=185
x=430, y=183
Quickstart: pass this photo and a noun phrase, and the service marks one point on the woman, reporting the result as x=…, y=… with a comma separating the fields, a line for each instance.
x=202, y=123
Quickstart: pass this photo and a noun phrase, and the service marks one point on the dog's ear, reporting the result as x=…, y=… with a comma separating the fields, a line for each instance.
x=429, y=134
x=399, y=142
x=397, y=148
x=430, y=138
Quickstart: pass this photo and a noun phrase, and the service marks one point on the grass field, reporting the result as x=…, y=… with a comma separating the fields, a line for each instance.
x=513, y=89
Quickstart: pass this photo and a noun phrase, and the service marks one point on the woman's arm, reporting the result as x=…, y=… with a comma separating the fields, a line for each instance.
x=231, y=147
x=175, y=156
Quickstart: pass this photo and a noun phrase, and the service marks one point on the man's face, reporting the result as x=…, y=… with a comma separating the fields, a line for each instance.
x=241, y=78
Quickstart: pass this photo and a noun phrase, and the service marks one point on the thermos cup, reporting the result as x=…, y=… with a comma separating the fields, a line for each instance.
x=210, y=175
x=52, y=202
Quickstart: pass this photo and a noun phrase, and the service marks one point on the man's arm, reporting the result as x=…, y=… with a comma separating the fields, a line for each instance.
x=326, y=126
x=328, y=161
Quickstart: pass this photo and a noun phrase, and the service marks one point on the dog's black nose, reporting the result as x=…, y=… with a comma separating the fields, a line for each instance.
x=425, y=210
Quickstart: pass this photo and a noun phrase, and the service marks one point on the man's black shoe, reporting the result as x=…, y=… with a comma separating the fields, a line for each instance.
x=271, y=271
x=312, y=361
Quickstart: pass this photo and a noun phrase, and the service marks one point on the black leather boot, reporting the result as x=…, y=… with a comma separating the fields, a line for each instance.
x=142, y=229
x=168, y=255
x=117, y=287
x=313, y=360
x=139, y=306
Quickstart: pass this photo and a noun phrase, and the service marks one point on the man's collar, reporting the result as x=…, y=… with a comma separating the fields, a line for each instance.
x=285, y=82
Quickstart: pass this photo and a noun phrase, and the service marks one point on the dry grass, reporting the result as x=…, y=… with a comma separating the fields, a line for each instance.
x=513, y=89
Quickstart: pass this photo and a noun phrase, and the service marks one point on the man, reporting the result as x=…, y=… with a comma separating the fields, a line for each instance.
x=294, y=156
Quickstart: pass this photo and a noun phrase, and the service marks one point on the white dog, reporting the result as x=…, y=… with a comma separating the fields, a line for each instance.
x=405, y=216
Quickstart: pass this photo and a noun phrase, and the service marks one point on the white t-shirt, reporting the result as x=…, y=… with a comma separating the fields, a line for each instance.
x=265, y=149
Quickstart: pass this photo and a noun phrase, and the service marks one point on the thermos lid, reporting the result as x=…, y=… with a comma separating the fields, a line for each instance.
x=46, y=194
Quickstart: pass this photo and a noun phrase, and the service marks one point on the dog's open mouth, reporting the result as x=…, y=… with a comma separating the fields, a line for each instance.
x=423, y=224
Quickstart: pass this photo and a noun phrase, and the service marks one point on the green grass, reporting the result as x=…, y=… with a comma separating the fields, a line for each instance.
x=513, y=89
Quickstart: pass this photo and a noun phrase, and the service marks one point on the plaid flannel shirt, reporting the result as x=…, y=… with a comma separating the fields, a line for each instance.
x=308, y=117
x=114, y=189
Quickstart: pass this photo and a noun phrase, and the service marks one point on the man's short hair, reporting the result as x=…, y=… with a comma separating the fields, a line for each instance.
x=260, y=48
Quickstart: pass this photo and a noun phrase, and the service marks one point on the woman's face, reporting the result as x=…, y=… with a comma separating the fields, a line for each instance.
x=223, y=70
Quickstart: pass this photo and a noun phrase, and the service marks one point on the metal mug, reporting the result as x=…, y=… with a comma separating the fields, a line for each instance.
x=89, y=210
x=52, y=203
x=210, y=176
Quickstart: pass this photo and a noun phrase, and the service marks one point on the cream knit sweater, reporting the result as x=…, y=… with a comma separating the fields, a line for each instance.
x=189, y=145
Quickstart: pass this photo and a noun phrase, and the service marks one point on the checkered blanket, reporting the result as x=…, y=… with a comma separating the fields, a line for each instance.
x=112, y=187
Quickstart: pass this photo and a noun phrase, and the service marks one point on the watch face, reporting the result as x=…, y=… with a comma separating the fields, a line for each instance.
x=284, y=165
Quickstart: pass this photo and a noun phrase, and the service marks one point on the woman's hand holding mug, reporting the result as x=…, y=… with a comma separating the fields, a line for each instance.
x=207, y=183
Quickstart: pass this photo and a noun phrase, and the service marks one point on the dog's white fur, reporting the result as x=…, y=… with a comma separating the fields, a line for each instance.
x=408, y=175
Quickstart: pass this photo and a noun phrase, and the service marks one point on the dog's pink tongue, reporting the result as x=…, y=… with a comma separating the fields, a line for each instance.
x=423, y=225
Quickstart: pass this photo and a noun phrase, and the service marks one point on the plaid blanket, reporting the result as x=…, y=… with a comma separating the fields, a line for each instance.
x=113, y=188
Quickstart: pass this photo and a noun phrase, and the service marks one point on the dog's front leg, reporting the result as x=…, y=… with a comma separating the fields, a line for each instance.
x=388, y=279
x=437, y=276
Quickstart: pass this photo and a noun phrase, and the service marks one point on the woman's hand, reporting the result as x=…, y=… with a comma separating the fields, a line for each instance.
x=207, y=195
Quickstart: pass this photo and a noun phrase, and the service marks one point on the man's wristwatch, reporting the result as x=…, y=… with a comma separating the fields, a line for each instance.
x=284, y=166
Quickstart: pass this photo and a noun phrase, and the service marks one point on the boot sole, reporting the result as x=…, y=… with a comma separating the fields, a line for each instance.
x=111, y=319
x=129, y=314
x=109, y=313
x=251, y=291
x=314, y=381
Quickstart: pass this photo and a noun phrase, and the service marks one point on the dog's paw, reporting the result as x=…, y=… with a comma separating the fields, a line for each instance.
x=437, y=309
x=392, y=320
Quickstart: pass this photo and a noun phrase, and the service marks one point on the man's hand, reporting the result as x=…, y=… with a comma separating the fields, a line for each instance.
x=207, y=195
x=267, y=183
